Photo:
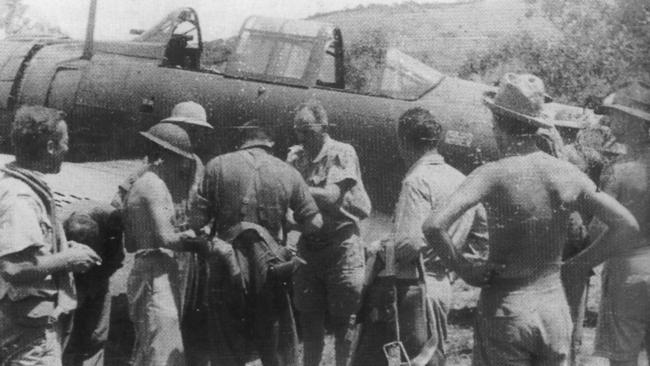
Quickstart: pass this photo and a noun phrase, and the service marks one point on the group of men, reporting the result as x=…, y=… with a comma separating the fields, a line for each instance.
x=214, y=281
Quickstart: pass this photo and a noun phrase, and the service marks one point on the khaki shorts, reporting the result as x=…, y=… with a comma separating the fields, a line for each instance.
x=624, y=316
x=152, y=292
x=524, y=327
x=332, y=279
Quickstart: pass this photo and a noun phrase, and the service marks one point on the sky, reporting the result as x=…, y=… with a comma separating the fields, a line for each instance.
x=218, y=18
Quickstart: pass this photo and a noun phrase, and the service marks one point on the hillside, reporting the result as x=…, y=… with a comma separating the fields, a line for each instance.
x=442, y=34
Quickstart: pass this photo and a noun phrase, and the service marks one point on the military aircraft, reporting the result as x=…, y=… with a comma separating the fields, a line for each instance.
x=111, y=90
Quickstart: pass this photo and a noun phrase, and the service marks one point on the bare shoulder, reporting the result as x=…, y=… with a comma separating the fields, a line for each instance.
x=490, y=171
x=570, y=183
x=149, y=187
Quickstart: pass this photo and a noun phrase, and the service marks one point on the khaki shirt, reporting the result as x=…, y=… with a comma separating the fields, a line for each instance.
x=427, y=185
x=25, y=223
x=254, y=186
x=335, y=163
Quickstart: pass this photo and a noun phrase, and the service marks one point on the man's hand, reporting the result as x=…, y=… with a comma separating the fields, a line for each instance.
x=407, y=251
x=477, y=272
x=221, y=249
x=80, y=258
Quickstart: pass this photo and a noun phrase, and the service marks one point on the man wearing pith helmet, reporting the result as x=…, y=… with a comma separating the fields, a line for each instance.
x=154, y=229
x=190, y=113
x=191, y=116
x=624, y=316
x=522, y=315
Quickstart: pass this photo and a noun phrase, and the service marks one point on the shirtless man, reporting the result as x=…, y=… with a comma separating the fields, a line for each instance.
x=624, y=316
x=154, y=230
x=522, y=315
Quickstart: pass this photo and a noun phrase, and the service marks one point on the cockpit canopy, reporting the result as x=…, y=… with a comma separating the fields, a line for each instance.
x=308, y=53
x=281, y=50
x=405, y=77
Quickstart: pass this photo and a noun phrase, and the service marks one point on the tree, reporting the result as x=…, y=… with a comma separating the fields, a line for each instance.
x=364, y=61
x=604, y=43
x=13, y=20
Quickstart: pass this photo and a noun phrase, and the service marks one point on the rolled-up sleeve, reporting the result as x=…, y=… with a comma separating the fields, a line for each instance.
x=344, y=167
x=19, y=225
x=413, y=207
x=301, y=202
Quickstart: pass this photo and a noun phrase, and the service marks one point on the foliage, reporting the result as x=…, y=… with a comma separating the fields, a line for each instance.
x=215, y=53
x=13, y=21
x=604, y=43
x=364, y=60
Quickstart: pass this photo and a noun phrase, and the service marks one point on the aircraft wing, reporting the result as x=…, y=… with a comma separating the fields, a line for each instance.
x=86, y=181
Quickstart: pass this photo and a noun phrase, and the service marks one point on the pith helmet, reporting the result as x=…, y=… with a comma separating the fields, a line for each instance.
x=170, y=137
x=190, y=113
x=633, y=99
x=520, y=97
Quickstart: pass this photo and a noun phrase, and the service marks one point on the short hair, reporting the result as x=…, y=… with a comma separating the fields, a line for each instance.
x=114, y=225
x=418, y=128
x=256, y=129
x=32, y=128
x=513, y=126
x=316, y=109
x=82, y=229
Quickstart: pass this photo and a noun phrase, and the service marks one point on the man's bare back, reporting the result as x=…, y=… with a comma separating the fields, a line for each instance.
x=522, y=315
x=628, y=183
x=529, y=201
x=140, y=227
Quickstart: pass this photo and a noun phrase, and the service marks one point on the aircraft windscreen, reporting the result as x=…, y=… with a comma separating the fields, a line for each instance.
x=260, y=54
x=405, y=77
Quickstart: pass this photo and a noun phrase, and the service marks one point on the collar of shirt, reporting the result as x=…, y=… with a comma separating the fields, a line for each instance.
x=255, y=147
x=429, y=158
x=263, y=144
x=323, y=151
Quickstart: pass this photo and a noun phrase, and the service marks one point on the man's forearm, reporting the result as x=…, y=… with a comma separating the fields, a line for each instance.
x=442, y=244
x=185, y=241
x=39, y=268
x=608, y=244
x=199, y=213
x=312, y=224
x=326, y=198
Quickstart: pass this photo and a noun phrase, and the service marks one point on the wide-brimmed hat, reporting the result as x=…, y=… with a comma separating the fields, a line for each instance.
x=170, y=137
x=633, y=99
x=520, y=97
x=188, y=112
x=564, y=116
x=256, y=124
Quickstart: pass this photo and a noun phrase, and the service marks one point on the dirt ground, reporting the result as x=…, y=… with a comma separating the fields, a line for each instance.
x=459, y=344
